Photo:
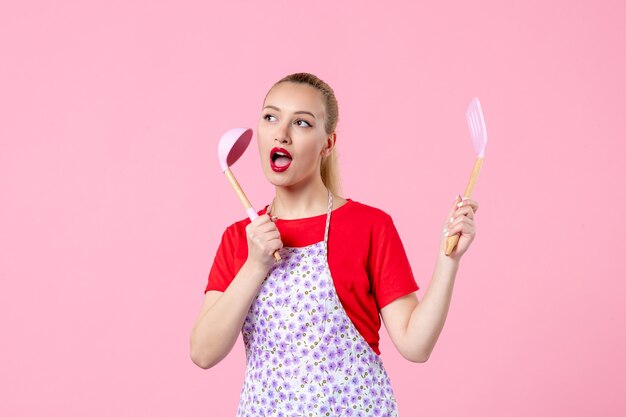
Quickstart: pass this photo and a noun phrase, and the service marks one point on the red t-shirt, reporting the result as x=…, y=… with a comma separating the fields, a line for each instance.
x=366, y=259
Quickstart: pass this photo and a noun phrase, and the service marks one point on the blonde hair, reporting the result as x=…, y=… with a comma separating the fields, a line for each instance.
x=329, y=169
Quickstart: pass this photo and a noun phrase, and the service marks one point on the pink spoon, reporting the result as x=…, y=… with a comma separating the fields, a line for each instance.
x=231, y=146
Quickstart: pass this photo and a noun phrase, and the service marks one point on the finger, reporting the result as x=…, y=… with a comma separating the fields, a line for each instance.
x=464, y=220
x=468, y=202
x=454, y=205
x=261, y=228
x=456, y=212
x=266, y=227
x=453, y=224
x=262, y=239
x=271, y=244
x=268, y=244
x=256, y=233
x=463, y=230
x=262, y=219
x=464, y=211
x=464, y=226
x=272, y=235
x=275, y=243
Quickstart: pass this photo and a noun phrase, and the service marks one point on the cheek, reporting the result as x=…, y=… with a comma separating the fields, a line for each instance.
x=262, y=150
x=261, y=132
x=262, y=137
x=312, y=153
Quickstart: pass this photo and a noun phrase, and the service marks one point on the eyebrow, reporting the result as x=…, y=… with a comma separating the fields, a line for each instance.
x=298, y=112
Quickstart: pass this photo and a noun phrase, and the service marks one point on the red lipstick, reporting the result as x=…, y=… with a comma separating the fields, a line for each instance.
x=280, y=159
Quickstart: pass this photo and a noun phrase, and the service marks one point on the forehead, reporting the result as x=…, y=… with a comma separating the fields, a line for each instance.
x=292, y=97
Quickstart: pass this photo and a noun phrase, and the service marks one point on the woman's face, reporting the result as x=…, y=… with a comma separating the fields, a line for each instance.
x=291, y=134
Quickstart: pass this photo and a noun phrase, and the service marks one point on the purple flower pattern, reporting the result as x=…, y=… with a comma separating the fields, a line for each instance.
x=304, y=356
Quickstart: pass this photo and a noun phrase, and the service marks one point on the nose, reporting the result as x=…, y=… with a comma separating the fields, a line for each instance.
x=282, y=138
x=282, y=135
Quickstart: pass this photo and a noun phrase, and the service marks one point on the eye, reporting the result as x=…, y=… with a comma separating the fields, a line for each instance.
x=303, y=123
x=269, y=117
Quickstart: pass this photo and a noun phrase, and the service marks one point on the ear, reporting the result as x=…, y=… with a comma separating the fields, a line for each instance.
x=329, y=145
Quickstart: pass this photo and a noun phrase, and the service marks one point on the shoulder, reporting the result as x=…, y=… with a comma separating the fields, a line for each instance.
x=365, y=213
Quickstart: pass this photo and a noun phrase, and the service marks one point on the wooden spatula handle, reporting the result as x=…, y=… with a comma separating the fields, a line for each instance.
x=451, y=241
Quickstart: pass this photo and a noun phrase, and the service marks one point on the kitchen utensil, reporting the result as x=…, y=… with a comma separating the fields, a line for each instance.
x=478, y=131
x=231, y=146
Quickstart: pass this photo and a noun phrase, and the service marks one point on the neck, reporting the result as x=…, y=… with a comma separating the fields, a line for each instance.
x=300, y=202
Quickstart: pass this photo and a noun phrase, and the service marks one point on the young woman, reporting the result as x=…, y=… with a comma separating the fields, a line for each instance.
x=310, y=321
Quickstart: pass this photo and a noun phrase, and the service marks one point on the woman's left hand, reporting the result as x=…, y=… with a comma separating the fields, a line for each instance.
x=460, y=221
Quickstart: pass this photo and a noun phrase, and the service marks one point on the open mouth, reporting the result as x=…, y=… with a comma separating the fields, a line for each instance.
x=280, y=159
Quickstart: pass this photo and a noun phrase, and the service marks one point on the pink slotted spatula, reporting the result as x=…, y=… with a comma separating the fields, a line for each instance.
x=478, y=131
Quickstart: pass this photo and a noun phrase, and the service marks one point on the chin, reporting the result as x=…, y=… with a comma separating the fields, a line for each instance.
x=279, y=183
x=275, y=180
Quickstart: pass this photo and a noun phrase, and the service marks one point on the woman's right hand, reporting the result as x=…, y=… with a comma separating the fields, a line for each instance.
x=263, y=240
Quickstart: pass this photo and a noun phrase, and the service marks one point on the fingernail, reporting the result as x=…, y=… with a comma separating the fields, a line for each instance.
x=451, y=219
x=459, y=204
x=274, y=217
x=446, y=233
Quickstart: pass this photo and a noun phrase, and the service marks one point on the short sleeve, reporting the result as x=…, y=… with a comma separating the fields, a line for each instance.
x=222, y=270
x=391, y=273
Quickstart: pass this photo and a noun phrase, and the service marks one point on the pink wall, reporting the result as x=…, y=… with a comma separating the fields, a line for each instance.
x=112, y=203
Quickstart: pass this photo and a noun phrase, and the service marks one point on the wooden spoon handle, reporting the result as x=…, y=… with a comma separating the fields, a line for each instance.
x=244, y=200
x=242, y=196
x=452, y=241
